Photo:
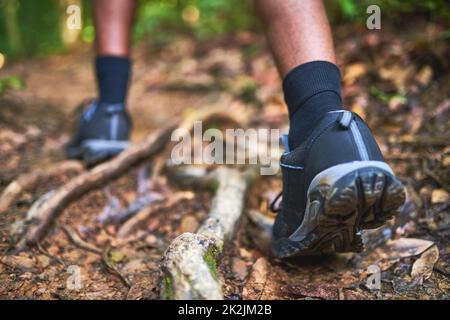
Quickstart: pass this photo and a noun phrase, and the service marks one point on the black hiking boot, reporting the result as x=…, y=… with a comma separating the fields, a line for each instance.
x=103, y=132
x=335, y=184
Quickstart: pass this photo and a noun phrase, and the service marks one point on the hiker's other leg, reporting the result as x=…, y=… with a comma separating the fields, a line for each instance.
x=113, y=21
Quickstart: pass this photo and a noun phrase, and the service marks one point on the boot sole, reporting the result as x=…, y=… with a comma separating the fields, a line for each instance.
x=342, y=201
x=93, y=152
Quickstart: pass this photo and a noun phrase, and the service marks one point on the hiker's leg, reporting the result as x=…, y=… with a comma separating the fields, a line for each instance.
x=105, y=125
x=335, y=181
x=113, y=21
x=300, y=38
x=113, y=24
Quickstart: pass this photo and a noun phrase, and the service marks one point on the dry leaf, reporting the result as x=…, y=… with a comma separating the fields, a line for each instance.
x=439, y=196
x=407, y=247
x=423, y=267
x=116, y=256
x=188, y=224
x=353, y=72
x=424, y=76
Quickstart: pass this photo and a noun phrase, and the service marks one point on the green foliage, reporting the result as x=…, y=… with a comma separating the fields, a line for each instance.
x=168, y=287
x=162, y=19
x=210, y=258
x=35, y=25
x=29, y=28
x=355, y=10
x=11, y=83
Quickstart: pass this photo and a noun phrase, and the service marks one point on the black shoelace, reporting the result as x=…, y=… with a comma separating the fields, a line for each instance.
x=273, y=208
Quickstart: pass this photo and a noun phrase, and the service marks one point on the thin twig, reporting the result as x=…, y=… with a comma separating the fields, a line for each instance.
x=77, y=241
x=112, y=268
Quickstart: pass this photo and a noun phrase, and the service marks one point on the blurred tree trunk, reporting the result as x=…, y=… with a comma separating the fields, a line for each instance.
x=12, y=28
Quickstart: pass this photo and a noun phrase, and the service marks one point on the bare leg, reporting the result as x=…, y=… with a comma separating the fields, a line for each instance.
x=300, y=38
x=297, y=31
x=113, y=23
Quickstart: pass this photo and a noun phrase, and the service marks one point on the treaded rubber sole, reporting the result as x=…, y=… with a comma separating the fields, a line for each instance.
x=365, y=198
x=93, y=152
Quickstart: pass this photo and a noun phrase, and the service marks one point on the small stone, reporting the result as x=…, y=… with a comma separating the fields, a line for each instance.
x=188, y=224
x=439, y=196
x=239, y=269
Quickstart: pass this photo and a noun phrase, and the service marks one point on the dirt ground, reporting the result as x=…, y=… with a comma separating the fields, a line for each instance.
x=397, y=80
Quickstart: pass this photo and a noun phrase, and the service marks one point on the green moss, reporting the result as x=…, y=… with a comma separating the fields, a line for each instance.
x=210, y=258
x=168, y=287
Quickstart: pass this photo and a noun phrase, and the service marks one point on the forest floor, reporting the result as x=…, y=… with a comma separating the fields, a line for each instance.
x=398, y=81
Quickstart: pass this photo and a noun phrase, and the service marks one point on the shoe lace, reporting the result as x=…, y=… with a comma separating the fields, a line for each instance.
x=273, y=207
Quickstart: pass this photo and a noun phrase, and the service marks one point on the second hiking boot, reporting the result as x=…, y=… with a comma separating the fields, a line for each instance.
x=103, y=132
x=335, y=184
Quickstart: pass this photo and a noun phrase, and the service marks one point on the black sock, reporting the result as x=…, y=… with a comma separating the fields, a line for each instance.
x=113, y=74
x=311, y=90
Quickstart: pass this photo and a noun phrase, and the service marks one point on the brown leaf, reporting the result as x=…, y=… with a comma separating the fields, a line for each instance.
x=353, y=72
x=424, y=75
x=188, y=224
x=406, y=247
x=423, y=267
x=439, y=196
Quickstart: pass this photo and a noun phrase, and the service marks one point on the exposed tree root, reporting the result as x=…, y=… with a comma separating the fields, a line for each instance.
x=90, y=180
x=103, y=173
x=189, y=264
x=76, y=240
x=29, y=181
x=112, y=268
x=135, y=222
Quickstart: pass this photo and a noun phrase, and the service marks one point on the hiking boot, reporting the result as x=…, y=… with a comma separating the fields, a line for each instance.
x=103, y=132
x=335, y=184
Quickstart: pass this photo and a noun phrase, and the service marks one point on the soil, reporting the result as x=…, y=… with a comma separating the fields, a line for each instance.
x=399, y=86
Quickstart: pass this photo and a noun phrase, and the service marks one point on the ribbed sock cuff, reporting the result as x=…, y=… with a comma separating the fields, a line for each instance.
x=308, y=80
x=113, y=74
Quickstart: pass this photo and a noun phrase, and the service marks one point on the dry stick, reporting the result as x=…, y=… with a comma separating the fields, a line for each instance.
x=108, y=171
x=434, y=176
x=76, y=240
x=189, y=264
x=90, y=180
x=28, y=181
x=112, y=268
x=132, y=224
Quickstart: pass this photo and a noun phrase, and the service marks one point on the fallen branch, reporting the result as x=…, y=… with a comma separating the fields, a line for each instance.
x=29, y=181
x=189, y=264
x=132, y=224
x=90, y=180
x=77, y=241
x=110, y=267
x=112, y=169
